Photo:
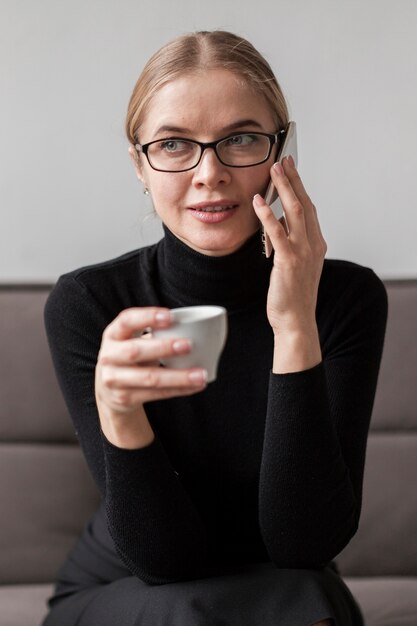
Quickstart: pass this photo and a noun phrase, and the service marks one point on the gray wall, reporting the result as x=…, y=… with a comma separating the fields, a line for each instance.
x=67, y=190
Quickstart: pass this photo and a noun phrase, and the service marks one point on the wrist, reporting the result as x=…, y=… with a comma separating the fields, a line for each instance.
x=293, y=326
x=126, y=430
x=296, y=350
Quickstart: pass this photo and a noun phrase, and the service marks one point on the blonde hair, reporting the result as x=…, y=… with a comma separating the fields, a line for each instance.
x=204, y=50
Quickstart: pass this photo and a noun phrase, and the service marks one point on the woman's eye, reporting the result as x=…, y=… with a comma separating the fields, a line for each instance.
x=173, y=145
x=241, y=140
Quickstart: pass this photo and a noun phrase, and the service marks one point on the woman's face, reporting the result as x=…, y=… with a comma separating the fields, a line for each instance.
x=206, y=107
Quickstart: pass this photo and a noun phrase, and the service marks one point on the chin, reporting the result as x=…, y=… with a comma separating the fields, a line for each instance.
x=216, y=245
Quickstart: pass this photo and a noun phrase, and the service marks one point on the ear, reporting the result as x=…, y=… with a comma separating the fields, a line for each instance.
x=137, y=164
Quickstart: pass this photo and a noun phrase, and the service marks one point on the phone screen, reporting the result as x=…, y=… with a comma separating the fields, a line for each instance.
x=288, y=147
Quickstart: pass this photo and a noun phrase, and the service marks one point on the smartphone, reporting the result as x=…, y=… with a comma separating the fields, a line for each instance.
x=288, y=147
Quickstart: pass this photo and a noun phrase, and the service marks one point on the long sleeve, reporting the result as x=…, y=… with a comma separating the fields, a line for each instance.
x=155, y=527
x=315, y=435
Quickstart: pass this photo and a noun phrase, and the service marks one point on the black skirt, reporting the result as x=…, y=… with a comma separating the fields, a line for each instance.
x=95, y=589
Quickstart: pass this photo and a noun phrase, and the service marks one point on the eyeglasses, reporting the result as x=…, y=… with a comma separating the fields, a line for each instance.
x=176, y=154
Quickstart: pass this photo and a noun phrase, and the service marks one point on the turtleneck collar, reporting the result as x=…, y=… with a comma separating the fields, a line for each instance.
x=187, y=277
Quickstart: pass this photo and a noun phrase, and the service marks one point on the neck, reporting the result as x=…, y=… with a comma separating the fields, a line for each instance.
x=235, y=280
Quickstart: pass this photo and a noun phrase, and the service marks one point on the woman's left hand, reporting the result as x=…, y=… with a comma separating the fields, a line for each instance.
x=299, y=253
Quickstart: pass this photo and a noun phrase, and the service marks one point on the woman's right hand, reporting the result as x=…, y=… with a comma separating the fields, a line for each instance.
x=128, y=374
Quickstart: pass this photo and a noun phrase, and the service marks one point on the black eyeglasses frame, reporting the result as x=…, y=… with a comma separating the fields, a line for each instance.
x=273, y=139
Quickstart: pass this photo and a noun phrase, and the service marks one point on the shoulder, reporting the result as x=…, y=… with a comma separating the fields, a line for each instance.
x=344, y=281
x=103, y=289
x=352, y=302
x=122, y=267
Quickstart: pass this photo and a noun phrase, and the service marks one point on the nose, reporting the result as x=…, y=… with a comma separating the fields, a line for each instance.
x=210, y=172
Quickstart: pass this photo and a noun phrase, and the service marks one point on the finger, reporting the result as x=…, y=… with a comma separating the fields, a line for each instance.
x=155, y=378
x=310, y=214
x=141, y=350
x=136, y=319
x=293, y=207
x=124, y=399
x=295, y=180
x=274, y=228
x=284, y=224
x=318, y=238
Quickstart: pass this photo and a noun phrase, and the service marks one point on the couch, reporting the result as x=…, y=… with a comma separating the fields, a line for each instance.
x=46, y=493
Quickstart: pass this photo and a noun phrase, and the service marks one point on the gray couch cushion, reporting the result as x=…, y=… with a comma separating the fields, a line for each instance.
x=46, y=496
x=396, y=401
x=386, y=601
x=386, y=542
x=23, y=605
x=31, y=407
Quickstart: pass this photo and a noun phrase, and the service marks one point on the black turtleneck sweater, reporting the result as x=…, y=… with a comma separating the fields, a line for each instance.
x=258, y=466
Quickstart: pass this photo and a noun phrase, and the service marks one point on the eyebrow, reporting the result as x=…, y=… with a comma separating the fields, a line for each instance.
x=234, y=126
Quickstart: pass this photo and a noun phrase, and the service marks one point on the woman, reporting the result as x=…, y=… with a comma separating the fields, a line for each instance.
x=222, y=503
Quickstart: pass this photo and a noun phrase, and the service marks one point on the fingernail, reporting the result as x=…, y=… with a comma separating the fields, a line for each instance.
x=291, y=161
x=257, y=199
x=198, y=376
x=181, y=345
x=279, y=169
x=163, y=316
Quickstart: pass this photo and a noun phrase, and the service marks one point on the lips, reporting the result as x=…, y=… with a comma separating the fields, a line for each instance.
x=214, y=207
x=214, y=212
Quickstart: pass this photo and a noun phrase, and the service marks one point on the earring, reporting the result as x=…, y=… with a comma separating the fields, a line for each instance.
x=146, y=191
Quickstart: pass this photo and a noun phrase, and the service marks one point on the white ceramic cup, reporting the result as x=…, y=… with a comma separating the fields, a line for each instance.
x=206, y=327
